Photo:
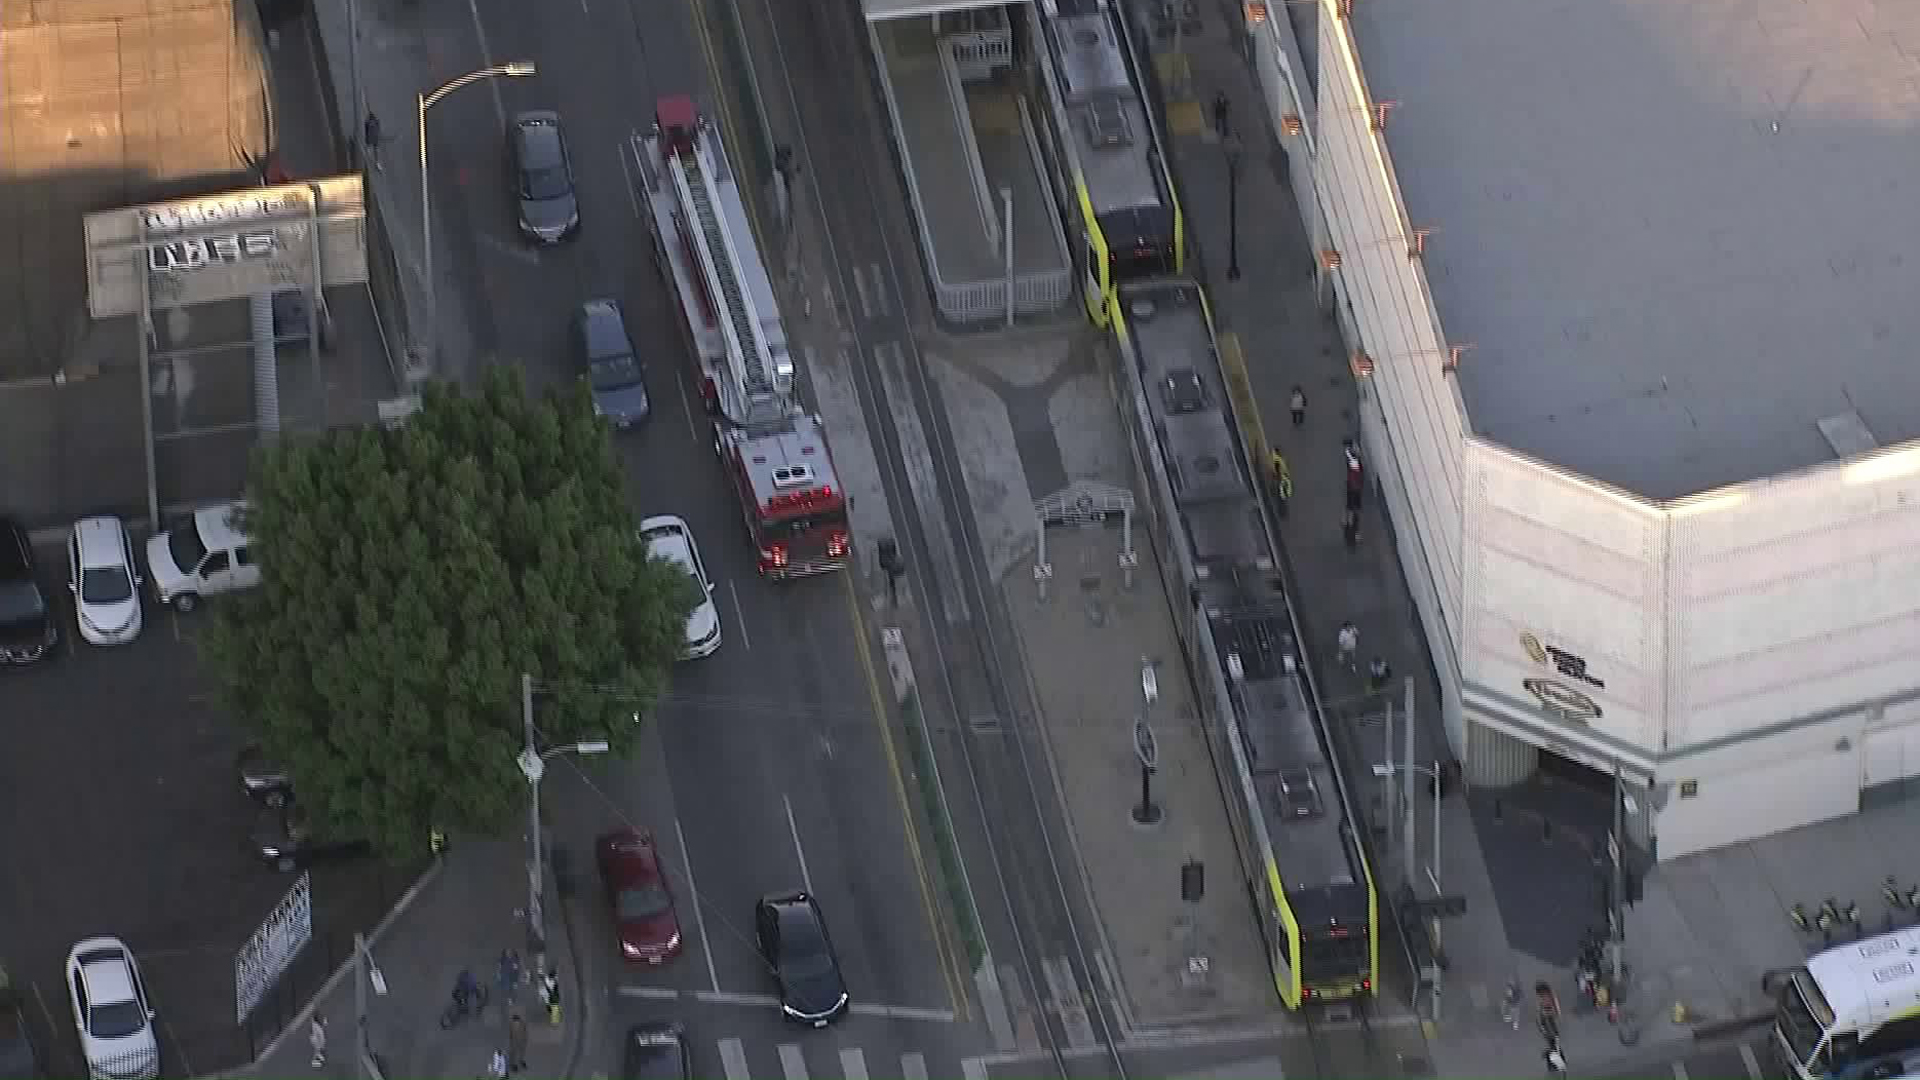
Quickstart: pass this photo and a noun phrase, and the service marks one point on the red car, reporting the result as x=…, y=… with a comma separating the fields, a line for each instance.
x=637, y=890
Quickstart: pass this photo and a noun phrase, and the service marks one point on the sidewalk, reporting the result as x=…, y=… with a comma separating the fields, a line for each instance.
x=1271, y=322
x=466, y=912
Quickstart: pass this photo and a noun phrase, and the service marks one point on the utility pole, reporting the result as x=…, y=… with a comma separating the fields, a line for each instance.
x=1390, y=811
x=1616, y=913
x=1006, y=236
x=1406, y=784
x=532, y=766
x=353, y=74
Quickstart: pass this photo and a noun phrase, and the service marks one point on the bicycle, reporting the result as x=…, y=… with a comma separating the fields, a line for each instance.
x=469, y=1001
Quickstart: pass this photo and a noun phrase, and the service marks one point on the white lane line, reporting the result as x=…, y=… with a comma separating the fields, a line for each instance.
x=686, y=406
x=650, y=993
x=583, y=8
x=860, y=286
x=621, y=150
x=740, y=616
x=903, y=1012
x=486, y=57
x=853, y=1063
x=1679, y=1071
x=1747, y=1059
x=913, y=1066
x=879, y=288
x=699, y=906
x=727, y=997
x=806, y=876
x=792, y=1061
x=733, y=1058
x=973, y=1069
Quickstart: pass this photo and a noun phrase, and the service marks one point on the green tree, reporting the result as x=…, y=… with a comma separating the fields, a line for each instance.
x=410, y=576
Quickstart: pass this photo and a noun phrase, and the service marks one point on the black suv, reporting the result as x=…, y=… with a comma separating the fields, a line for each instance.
x=794, y=943
x=27, y=629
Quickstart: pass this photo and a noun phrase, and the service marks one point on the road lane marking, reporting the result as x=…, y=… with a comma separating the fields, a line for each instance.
x=949, y=962
x=728, y=997
x=622, y=149
x=686, y=406
x=1679, y=1071
x=699, y=916
x=650, y=993
x=733, y=1058
x=879, y=289
x=902, y=1012
x=740, y=617
x=853, y=1064
x=973, y=1069
x=806, y=876
x=793, y=1062
x=1747, y=1059
x=860, y=286
x=486, y=57
x=913, y=1066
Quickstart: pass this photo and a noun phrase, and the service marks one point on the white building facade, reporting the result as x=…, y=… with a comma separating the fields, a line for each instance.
x=1748, y=658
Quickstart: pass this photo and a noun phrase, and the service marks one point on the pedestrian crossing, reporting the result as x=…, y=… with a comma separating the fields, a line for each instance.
x=816, y=1061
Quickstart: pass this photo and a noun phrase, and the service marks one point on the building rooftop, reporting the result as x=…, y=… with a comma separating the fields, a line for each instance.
x=1676, y=233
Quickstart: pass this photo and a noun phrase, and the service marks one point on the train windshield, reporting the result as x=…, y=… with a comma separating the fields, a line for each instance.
x=1140, y=242
x=1326, y=955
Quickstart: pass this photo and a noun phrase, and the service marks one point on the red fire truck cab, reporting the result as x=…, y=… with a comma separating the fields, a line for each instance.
x=795, y=508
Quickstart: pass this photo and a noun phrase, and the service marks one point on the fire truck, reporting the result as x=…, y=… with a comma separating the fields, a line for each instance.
x=775, y=452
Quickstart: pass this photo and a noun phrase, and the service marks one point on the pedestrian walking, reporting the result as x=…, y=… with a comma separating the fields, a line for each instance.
x=317, y=1038
x=1349, y=640
x=1220, y=108
x=1350, y=529
x=516, y=1043
x=370, y=135
x=1378, y=674
x=1297, y=404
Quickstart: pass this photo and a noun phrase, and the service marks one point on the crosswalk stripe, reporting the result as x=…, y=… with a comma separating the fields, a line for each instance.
x=1679, y=1071
x=1747, y=1059
x=733, y=1058
x=853, y=1063
x=913, y=1066
x=792, y=1062
x=974, y=1068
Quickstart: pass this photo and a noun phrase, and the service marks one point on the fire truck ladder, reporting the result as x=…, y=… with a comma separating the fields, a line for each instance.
x=720, y=256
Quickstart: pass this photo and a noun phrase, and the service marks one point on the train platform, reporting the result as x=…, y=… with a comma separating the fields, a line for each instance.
x=1709, y=926
x=965, y=137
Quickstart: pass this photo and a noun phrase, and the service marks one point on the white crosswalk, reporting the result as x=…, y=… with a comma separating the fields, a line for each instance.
x=739, y=1062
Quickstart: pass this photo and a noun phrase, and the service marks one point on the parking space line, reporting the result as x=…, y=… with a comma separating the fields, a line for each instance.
x=651, y=993
x=806, y=876
x=1747, y=1059
x=914, y=1066
x=699, y=916
x=792, y=1062
x=740, y=617
x=902, y=1012
x=733, y=1058
x=1679, y=1070
x=853, y=1063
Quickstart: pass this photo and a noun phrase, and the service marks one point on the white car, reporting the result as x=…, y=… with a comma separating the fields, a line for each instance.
x=105, y=585
x=111, y=1011
x=668, y=537
x=206, y=555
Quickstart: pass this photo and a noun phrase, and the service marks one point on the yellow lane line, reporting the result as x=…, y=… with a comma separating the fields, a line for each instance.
x=1240, y=388
x=950, y=973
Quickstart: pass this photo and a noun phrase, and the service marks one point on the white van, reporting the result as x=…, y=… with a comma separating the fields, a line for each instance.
x=205, y=556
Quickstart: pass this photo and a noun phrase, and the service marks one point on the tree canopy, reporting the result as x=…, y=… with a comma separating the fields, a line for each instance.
x=409, y=577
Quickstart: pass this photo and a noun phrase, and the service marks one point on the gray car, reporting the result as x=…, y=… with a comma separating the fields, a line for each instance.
x=543, y=177
x=606, y=353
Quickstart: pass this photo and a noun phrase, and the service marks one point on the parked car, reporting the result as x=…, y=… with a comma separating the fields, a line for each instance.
x=264, y=781
x=28, y=630
x=798, y=951
x=205, y=555
x=643, y=913
x=19, y=1057
x=549, y=210
x=105, y=585
x=607, y=359
x=657, y=1051
x=284, y=839
x=670, y=538
x=111, y=1011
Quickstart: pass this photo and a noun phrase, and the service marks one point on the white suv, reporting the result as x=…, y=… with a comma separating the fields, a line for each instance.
x=205, y=556
x=105, y=585
x=668, y=537
x=111, y=1011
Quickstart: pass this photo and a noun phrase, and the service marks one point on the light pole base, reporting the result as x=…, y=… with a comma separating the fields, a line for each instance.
x=1149, y=815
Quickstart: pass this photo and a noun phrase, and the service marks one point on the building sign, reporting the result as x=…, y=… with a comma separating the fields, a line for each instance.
x=272, y=948
x=1561, y=695
x=226, y=247
x=181, y=255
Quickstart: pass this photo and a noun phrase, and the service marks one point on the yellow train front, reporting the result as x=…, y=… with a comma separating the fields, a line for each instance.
x=1325, y=940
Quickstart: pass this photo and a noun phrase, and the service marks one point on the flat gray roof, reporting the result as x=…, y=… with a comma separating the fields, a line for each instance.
x=1678, y=234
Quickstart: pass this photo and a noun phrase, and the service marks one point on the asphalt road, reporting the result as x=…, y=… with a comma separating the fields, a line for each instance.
x=124, y=817
x=777, y=773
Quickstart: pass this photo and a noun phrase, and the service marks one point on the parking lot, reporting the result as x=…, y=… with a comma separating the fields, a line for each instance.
x=124, y=817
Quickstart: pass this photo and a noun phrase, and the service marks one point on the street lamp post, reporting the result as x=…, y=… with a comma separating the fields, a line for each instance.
x=533, y=765
x=516, y=69
x=1233, y=208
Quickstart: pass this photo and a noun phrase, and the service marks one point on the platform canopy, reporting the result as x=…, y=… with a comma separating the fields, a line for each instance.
x=882, y=10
